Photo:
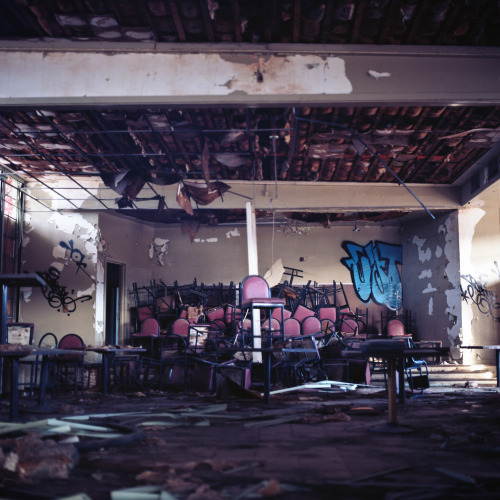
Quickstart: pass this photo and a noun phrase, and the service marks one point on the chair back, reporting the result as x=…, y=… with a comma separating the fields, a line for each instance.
x=254, y=287
x=311, y=326
x=150, y=326
x=292, y=327
x=302, y=312
x=70, y=341
x=349, y=326
x=48, y=340
x=275, y=325
x=329, y=313
x=216, y=313
x=395, y=328
x=181, y=327
x=277, y=314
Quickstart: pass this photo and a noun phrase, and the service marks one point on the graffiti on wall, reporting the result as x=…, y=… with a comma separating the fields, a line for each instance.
x=374, y=272
x=76, y=256
x=57, y=295
x=475, y=291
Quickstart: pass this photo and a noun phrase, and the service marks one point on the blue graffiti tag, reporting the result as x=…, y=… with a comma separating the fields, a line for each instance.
x=75, y=256
x=374, y=272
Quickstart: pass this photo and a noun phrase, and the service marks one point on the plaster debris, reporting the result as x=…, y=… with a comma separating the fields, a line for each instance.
x=431, y=307
x=233, y=234
x=377, y=74
x=426, y=273
x=438, y=252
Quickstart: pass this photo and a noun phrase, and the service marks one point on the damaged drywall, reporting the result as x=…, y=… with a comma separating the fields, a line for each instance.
x=62, y=248
x=431, y=277
x=158, y=250
x=172, y=74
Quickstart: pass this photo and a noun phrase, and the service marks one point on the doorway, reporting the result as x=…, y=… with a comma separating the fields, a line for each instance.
x=114, y=291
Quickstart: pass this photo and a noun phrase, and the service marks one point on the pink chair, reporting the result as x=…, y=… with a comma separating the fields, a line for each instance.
x=150, y=326
x=71, y=365
x=181, y=327
x=311, y=326
x=328, y=315
x=292, y=328
x=277, y=314
x=275, y=326
x=348, y=327
x=256, y=294
x=302, y=312
x=150, y=331
x=395, y=328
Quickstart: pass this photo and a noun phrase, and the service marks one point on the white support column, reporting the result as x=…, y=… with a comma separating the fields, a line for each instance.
x=253, y=268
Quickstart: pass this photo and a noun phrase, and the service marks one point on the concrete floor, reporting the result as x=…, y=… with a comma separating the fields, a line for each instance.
x=303, y=445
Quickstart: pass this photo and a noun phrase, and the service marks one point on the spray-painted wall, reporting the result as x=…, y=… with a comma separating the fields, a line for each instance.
x=431, y=277
x=480, y=280
x=63, y=248
x=219, y=254
x=211, y=255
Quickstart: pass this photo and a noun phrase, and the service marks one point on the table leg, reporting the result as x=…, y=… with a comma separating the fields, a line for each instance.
x=43, y=380
x=498, y=367
x=105, y=374
x=401, y=379
x=267, y=377
x=14, y=396
x=391, y=376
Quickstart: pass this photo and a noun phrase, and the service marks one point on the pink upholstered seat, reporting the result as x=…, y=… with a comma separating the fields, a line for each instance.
x=395, y=328
x=292, y=328
x=311, y=326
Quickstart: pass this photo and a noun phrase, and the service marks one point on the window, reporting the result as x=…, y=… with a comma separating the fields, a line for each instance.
x=10, y=244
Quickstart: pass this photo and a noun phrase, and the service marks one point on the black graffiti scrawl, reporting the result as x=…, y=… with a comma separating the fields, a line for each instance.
x=57, y=295
x=374, y=272
x=476, y=291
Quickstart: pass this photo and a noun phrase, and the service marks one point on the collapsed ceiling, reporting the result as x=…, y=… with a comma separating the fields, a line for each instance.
x=133, y=147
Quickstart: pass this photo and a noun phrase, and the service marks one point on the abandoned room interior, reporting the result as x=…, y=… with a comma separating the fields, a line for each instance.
x=249, y=249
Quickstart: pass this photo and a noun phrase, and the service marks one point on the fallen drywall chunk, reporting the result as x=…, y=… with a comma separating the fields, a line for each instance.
x=33, y=457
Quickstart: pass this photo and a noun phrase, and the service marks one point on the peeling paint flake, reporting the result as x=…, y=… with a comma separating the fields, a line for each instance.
x=426, y=273
x=429, y=289
x=377, y=74
x=233, y=234
x=423, y=255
